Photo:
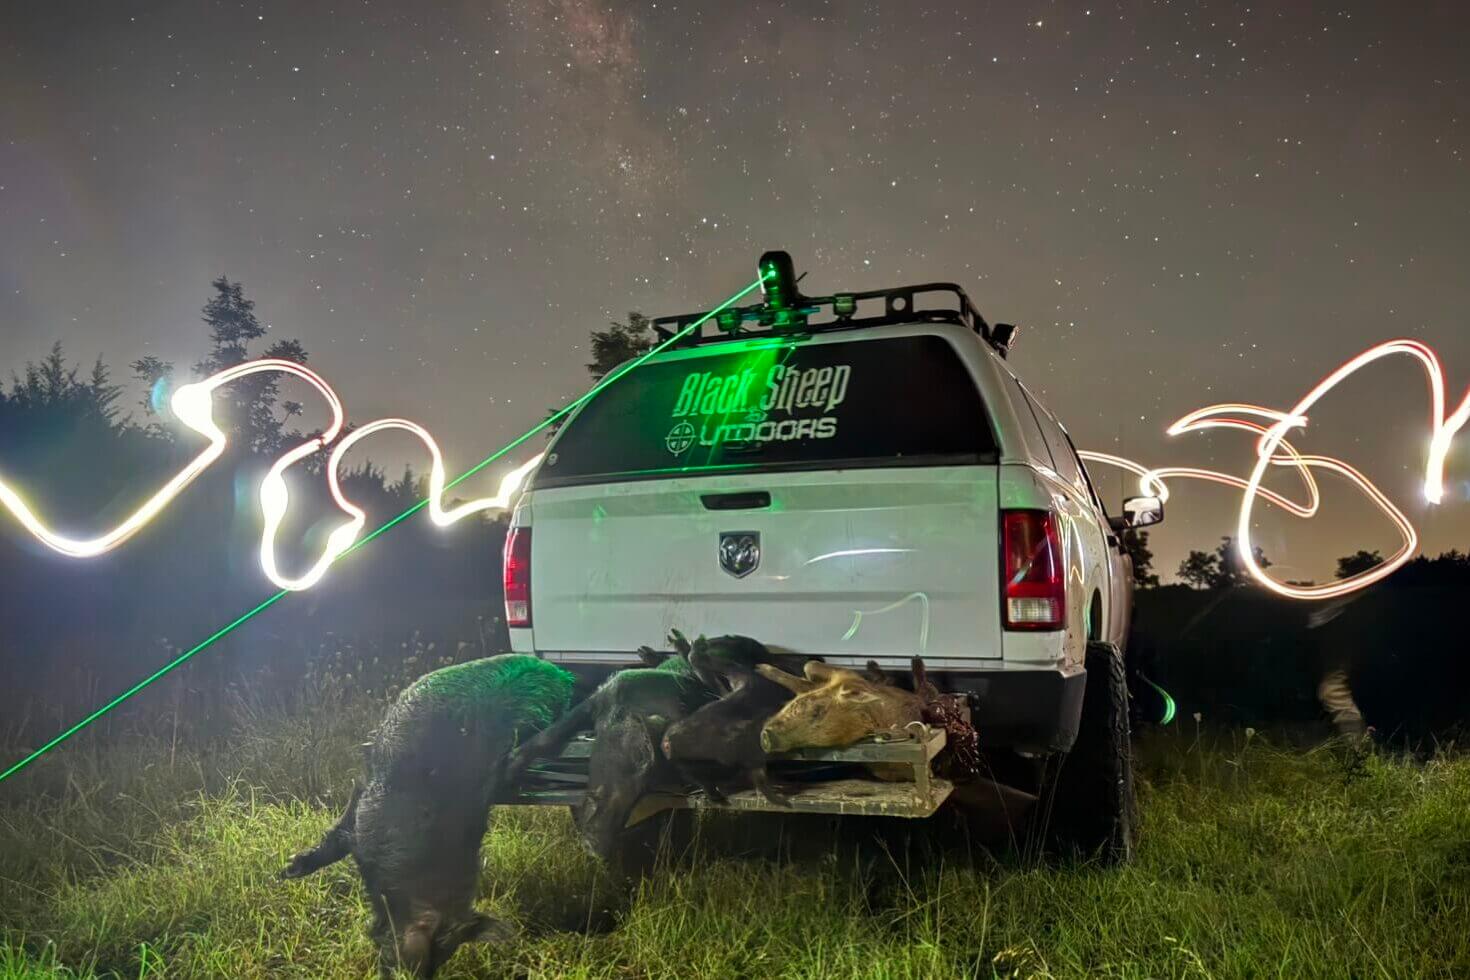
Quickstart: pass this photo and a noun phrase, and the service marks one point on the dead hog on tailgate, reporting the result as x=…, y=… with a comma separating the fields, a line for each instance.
x=627, y=714
x=720, y=744
x=834, y=707
x=415, y=827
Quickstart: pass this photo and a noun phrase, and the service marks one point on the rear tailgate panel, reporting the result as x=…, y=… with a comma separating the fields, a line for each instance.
x=860, y=563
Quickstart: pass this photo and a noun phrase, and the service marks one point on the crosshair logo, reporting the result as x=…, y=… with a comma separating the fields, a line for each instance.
x=680, y=438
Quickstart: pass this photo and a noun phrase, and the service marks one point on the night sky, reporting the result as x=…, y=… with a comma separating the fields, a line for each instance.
x=1179, y=203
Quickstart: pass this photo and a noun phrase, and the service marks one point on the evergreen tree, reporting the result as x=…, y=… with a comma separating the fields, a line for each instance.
x=247, y=406
x=156, y=377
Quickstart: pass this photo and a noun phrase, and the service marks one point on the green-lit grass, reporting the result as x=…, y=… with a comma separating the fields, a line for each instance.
x=1256, y=861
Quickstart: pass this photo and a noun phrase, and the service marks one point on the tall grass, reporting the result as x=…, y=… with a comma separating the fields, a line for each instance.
x=146, y=858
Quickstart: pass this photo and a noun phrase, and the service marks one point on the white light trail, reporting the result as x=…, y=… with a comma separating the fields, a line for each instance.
x=1272, y=449
x=193, y=405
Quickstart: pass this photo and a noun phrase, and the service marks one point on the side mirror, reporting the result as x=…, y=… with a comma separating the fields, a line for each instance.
x=1141, y=512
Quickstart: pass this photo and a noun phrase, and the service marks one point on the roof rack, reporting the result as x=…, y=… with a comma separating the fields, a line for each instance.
x=900, y=306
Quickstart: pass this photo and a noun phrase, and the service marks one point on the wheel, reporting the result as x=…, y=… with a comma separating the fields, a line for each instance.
x=1090, y=796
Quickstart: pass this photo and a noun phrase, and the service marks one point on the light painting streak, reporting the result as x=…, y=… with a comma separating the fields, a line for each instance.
x=857, y=552
x=193, y=405
x=1272, y=449
x=858, y=614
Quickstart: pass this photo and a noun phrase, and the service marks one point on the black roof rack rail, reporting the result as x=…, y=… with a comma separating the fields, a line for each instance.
x=900, y=306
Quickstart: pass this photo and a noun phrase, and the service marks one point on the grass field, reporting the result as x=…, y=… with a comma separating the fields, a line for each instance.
x=150, y=859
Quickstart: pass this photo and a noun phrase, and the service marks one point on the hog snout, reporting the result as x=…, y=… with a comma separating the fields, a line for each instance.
x=768, y=744
x=668, y=748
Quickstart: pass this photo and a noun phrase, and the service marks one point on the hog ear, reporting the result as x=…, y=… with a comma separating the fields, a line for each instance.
x=922, y=686
x=792, y=683
x=856, y=695
x=817, y=671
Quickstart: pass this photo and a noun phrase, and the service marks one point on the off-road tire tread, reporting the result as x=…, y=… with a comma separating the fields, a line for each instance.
x=1093, y=807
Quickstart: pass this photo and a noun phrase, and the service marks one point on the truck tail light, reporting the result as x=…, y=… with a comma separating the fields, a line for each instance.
x=516, y=577
x=1034, y=575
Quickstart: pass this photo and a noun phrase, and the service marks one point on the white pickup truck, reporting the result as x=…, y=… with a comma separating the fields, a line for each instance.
x=870, y=487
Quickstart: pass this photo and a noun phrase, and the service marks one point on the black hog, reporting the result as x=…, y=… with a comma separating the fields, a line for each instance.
x=719, y=744
x=624, y=765
x=627, y=715
x=415, y=826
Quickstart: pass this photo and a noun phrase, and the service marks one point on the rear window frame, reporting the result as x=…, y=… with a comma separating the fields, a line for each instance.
x=542, y=480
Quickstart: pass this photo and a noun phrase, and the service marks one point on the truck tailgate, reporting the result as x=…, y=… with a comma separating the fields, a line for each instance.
x=848, y=564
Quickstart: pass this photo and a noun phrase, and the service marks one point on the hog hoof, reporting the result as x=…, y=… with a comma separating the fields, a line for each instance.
x=296, y=869
x=768, y=789
x=489, y=929
x=778, y=798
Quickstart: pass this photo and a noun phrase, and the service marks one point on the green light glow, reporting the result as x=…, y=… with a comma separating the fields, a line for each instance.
x=263, y=606
x=1168, y=703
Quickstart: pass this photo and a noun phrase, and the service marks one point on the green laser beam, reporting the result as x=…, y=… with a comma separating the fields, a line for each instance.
x=137, y=687
x=415, y=508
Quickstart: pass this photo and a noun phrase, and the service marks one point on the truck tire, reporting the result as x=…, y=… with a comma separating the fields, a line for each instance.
x=1090, y=798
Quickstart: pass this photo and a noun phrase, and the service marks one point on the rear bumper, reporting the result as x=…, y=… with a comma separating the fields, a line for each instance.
x=1031, y=710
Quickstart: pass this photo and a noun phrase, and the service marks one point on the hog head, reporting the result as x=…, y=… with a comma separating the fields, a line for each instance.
x=427, y=941
x=834, y=707
x=625, y=763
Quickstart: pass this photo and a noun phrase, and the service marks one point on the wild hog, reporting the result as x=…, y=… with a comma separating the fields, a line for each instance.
x=834, y=707
x=627, y=714
x=721, y=742
x=667, y=692
x=624, y=765
x=415, y=825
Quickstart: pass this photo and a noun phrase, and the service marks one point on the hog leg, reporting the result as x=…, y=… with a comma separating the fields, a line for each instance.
x=762, y=781
x=334, y=846
x=414, y=949
x=707, y=671
x=699, y=776
x=549, y=741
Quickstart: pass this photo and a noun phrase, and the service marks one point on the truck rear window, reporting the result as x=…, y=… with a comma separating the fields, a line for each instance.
x=898, y=401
